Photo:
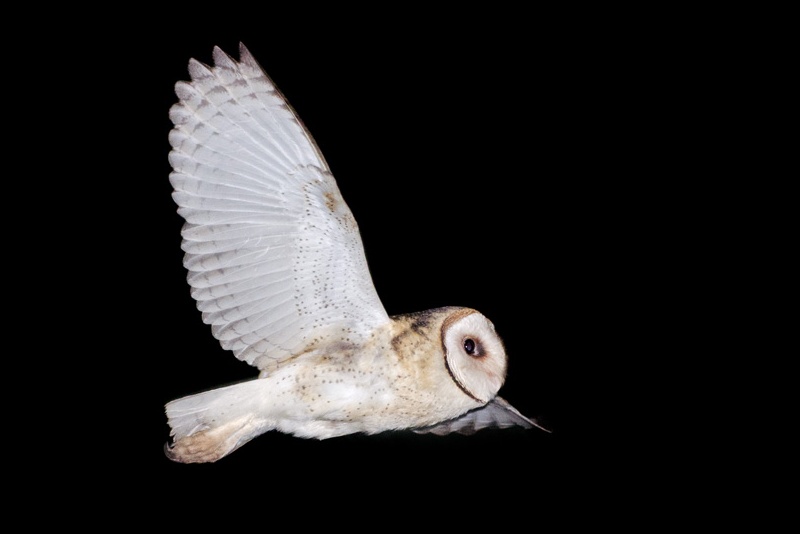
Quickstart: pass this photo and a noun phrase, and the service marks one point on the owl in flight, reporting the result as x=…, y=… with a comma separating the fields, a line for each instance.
x=277, y=268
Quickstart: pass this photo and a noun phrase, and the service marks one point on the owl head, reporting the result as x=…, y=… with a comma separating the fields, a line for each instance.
x=474, y=354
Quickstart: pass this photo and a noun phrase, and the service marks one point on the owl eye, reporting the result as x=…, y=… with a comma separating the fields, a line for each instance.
x=470, y=346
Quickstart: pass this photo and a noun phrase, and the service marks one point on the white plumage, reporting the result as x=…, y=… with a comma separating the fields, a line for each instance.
x=277, y=268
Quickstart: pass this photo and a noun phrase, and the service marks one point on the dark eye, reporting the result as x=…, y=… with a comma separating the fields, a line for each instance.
x=469, y=346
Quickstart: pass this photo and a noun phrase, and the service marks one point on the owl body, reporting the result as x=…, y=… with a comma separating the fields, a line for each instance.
x=401, y=378
x=277, y=267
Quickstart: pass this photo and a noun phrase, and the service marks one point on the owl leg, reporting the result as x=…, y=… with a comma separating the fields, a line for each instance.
x=210, y=425
x=213, y=444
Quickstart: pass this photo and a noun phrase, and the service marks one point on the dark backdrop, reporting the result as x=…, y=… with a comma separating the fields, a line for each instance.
x=514, y=172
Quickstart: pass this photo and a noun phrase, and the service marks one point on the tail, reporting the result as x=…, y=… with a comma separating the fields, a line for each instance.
x=210, y=425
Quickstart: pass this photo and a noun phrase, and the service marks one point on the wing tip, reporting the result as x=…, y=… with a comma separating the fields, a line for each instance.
x=245, y=56
x=222, y=60
x=199, y=70
x=536, y=422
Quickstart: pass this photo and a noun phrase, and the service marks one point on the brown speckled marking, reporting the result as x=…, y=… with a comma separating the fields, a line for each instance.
x=419, y=323
x=460, y=314
x=397, y=342
x=330, y=201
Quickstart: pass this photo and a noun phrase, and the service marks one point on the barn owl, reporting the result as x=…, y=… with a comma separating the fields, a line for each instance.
x=276, y=264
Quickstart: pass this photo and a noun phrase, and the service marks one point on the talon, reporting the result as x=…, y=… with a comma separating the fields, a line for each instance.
x=168, y=446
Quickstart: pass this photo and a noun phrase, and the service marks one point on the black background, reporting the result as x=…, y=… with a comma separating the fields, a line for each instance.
x=510, y=167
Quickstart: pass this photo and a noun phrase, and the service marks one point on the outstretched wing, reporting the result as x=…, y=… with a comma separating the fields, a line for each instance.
x=497, y=413
x=274, y=255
